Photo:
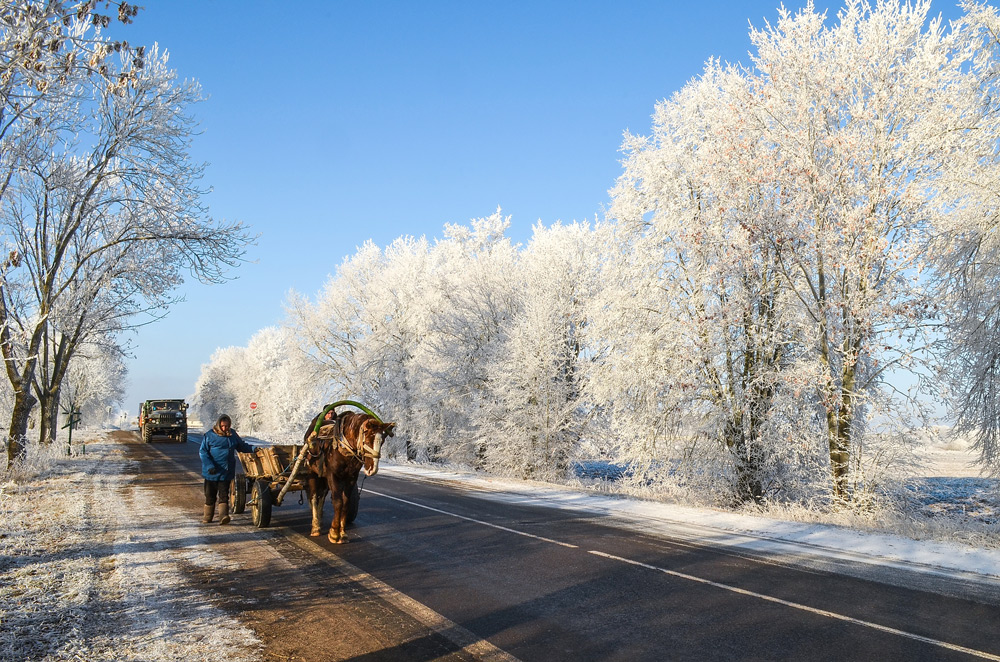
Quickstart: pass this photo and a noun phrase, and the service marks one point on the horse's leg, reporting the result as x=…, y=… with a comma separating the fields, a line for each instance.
x=340, y=515
x=317, y=495
x=344, y=510
x=334, y=534
x=317, y=523
x=336, y=496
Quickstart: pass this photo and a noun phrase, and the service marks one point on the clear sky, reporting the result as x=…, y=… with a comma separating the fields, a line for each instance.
x=330, y=123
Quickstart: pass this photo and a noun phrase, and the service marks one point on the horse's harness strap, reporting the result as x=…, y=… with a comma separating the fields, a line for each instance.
x=346, y=448
x=321, y=444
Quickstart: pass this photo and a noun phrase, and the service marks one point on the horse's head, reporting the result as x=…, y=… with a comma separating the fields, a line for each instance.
x=373, y=435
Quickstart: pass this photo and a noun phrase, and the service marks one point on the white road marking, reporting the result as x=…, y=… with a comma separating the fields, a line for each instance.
x=795, y=605
x=813, y=610
x=468, y=641
x=477, y=521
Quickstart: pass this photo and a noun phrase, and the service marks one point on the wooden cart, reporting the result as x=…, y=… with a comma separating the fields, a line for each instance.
x=265, y=474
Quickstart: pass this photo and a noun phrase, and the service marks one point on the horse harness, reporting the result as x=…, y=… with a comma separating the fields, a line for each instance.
x=321, y=443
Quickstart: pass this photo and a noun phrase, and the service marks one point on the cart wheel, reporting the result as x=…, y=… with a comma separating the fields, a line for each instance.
x=353, y=501
x=261, y=504
x=238, y=495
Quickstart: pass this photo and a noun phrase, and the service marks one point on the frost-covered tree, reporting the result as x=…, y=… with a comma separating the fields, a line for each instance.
x=411, y=331
x=47, y=50
x=866, y=123
x=51, y=53
x=95, y=381
x=400, y=316
x=474, y=281
x=537, y=412
x=217, y=390
x=101, y=204
x=88, y=312
x=363, y=328
x=273, y=371
x=702, y=287
x=334, y=327
x=830, y=164
x=969, y=250
x=277, y=375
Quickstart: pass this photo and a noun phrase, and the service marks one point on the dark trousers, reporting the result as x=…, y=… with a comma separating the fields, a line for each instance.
x=216, y=489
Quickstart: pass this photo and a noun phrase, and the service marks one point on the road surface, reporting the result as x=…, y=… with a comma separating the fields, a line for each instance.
x=437, y=572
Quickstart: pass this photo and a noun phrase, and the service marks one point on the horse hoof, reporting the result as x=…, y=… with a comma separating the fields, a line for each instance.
x=332, y=539
x=314, y=533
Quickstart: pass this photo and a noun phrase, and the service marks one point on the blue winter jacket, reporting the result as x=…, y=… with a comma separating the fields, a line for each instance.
x=218, y=455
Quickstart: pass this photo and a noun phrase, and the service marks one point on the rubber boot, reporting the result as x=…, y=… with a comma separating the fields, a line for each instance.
x=209, y=514
x=223, y=513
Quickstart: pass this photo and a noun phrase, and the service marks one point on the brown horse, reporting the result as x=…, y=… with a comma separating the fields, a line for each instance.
x=315, y=465
x=338, y=452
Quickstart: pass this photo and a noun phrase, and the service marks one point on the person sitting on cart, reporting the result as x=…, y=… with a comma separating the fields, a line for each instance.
x=329, y=418
x=218, y=466
x=318, y=446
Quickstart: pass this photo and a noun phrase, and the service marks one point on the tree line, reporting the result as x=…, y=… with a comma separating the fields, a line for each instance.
x=100, y=203
x=794, y=240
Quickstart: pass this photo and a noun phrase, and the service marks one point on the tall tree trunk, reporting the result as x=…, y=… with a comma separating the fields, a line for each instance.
x=48, y=402
x=24, y=401
x=840, y=430
x=835, y=398
x=56, y=355
x=749, y=456
x=45, y=422
x=20, y=379
x=20, y=382
x=838, y=433
x=411, y=451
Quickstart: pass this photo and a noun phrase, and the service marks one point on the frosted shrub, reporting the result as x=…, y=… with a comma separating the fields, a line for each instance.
x=36, y=461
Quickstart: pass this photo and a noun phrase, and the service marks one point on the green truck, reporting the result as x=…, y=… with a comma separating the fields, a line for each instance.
x=163, y=417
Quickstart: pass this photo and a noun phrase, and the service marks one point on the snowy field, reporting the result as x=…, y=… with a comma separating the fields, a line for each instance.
x=86, y=574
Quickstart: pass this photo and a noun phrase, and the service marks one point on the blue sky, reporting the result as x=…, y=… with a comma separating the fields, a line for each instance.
x=330, y=123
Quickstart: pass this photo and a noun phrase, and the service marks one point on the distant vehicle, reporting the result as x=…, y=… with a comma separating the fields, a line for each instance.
x=163, y=417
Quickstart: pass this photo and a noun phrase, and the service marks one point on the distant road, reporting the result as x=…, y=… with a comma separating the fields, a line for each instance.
x=540, y=584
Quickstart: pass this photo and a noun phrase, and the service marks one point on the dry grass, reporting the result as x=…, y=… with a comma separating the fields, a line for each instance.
x=83, y=578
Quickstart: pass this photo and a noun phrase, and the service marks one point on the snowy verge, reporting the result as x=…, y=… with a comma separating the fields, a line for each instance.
x=783, y=537
x=87, y=574
x=755, y=533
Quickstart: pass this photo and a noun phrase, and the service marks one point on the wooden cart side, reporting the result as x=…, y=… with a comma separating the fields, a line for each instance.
x=285, y=454
x=269, y=461
x=273, y=466
x=251, y=464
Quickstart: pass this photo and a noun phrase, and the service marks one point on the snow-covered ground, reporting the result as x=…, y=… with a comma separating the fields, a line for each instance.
x=761, y=534
x=86, y=574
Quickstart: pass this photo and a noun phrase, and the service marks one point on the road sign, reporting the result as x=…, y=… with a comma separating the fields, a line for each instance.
x=253, y=405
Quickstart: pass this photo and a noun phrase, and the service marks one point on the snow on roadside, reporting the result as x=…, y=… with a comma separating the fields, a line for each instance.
x=953, y=522
x=729, y=528
x=86, y=575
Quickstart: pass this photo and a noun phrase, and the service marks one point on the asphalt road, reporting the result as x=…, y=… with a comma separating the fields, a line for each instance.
x=537, y=583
